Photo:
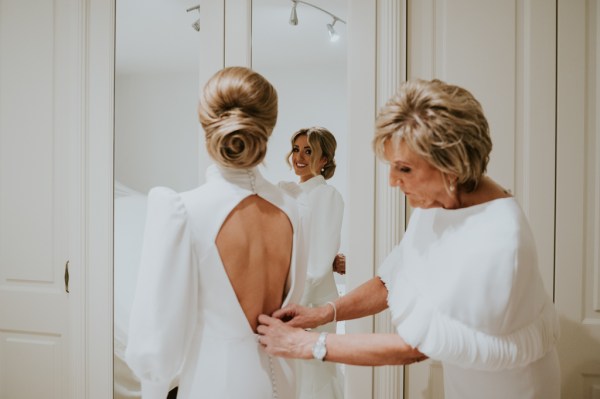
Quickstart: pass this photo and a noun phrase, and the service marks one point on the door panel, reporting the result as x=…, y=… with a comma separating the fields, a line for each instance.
x=578, y=198
x=36, y=355
x=36, y=121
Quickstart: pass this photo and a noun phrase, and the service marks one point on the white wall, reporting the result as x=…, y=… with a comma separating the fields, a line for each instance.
x=157, y=134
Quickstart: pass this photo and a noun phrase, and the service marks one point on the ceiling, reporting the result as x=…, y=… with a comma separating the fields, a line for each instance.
x=157, y=35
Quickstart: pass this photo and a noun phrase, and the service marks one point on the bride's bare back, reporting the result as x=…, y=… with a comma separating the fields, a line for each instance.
x=255, y=245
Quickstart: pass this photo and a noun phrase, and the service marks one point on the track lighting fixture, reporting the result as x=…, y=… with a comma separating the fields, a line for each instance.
x=333, y=35
x=196, y=24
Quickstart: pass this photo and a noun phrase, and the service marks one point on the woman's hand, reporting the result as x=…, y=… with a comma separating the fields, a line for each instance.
x=280, y=339
x=303, y=317
x=339, y=264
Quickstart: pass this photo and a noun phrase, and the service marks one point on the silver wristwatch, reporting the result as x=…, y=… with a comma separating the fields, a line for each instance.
x=319, y=349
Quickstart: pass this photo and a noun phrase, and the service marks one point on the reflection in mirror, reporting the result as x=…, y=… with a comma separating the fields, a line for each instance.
x=291, y=47
x=158, y=141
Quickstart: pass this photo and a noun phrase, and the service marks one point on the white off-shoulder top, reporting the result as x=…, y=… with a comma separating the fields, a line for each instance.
x=186, y=323
x=465, y=289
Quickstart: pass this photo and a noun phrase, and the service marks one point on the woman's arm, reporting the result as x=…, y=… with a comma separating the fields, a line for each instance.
x=365, y=300
x=162, y=318
x=282, y=340
x=326, y=214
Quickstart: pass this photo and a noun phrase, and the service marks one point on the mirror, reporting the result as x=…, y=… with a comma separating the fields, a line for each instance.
x=158, y=141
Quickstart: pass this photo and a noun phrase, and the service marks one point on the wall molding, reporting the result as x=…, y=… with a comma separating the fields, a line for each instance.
x=362, y=40
x=97, y=192
x=390, y=217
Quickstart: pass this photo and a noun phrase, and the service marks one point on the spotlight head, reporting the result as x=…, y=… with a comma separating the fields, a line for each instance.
x=196, y=25
x=293, y=15
x=333, y=35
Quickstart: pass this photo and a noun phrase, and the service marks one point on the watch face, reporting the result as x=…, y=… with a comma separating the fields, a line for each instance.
x=319, y=352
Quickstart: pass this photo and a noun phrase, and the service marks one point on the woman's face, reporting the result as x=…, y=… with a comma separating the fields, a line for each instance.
x=421, y=182
x=301, y=156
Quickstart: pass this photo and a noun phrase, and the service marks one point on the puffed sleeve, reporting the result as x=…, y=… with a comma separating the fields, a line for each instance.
x=444, y=338
x=327, y=209
x=473, y=298
x=165, y=302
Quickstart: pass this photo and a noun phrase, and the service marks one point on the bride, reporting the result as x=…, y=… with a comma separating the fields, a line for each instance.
x=216, y=257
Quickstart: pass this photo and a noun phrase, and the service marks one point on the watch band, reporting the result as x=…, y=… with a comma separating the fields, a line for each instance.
x=319, y=349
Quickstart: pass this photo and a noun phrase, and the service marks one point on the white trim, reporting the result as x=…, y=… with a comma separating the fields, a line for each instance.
x=362, y=19
x=594, y=157
x=572, y=82
x=77, y=243
x=98, y=197
x=390, y=215
x=535, y=135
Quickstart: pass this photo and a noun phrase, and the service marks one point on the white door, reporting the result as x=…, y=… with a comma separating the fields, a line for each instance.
x=504, y=53
x=39, y=218
x=578, y=198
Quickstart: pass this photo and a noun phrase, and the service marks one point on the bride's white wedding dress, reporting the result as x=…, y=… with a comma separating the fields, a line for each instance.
x=186, y=321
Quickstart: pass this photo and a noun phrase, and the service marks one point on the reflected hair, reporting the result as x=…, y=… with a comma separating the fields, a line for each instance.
x=442, y=123
x=238, y=111
x=322, y=144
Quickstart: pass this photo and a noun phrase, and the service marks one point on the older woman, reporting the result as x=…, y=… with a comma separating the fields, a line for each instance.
x=463, y=286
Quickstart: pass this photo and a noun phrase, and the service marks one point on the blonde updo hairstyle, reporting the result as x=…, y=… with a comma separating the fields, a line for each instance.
x=238, y=111
x=322, y=144
x=442, y=123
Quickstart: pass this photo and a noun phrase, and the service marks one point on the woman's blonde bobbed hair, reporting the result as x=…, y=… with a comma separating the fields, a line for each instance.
x=442, y=123
x=238, y=111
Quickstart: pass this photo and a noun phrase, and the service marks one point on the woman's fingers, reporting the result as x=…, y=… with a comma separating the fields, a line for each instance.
x=266, y=320
x=283, y=313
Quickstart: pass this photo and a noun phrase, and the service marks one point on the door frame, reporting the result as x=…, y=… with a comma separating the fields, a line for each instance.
x=97, y=193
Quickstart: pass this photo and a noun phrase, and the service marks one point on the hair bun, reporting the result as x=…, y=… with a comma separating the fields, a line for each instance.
x=237, y=143
x=329, y=169
x=238, y=110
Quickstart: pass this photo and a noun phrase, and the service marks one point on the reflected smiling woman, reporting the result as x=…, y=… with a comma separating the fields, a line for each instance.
x=313, y=159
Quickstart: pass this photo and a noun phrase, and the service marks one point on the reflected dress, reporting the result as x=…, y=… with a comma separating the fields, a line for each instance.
x=465, y=289
x=186, y=322
x=317, y=379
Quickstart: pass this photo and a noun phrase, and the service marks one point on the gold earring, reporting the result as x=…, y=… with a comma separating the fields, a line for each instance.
x=451, y=187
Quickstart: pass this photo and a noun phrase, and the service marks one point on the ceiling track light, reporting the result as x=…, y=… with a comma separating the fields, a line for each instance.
x=333, y=35
x=196, y=24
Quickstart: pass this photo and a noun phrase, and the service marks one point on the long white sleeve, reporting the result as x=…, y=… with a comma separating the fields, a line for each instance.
x=326, y=213
x=165, y=302
x=464, y=287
